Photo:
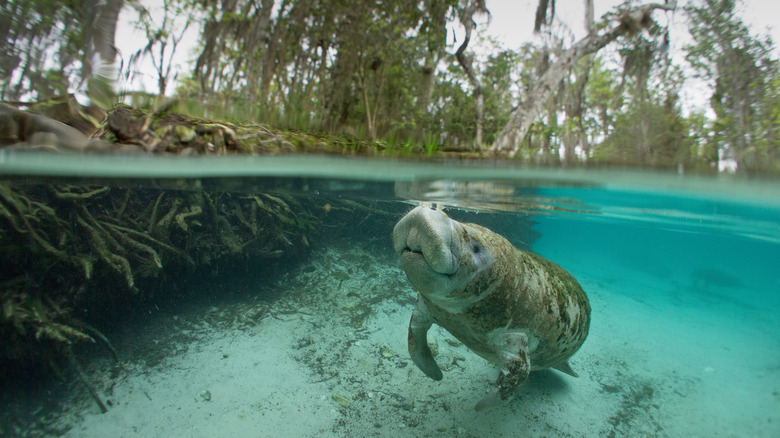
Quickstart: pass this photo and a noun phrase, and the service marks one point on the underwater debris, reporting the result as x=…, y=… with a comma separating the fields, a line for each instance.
x=341, y=276
x=340, y=399
x=433, y=344
x=84, y=380
x=386, y=352
x=636, y=401
x=454, y=342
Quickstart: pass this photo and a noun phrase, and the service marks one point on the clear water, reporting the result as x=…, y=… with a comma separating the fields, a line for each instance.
x=682, y=271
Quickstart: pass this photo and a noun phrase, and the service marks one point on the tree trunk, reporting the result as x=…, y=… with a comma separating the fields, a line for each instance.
x=465, y=63
x=590, y=23
x=435, y=32
x=261, y=35
x=276, y=43
x=511, y=136
x=371, y=114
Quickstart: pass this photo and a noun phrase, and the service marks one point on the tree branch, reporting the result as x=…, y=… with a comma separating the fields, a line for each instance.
x=465, y=63
x=511, y=136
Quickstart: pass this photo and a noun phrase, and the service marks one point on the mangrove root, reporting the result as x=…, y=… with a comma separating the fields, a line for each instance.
x=196, y=210
x=117, y=262
x=83, y=377
x=80, y=195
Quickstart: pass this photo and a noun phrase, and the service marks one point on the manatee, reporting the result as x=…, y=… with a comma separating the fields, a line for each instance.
x=512, y=307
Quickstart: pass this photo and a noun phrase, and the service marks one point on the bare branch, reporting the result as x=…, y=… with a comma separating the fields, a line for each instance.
x=542, y=14
x=511, y=136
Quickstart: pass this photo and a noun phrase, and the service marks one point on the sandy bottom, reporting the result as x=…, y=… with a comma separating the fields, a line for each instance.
x=327, y=357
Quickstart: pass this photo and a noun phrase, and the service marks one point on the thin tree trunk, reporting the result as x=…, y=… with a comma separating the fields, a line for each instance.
x=371, y=114
x=262, y=36
x=271, y=53
x=465, y=63
x=436, y=34
x=427, y=81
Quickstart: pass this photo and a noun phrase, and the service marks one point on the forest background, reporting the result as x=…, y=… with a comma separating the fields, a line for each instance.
x=425, y=75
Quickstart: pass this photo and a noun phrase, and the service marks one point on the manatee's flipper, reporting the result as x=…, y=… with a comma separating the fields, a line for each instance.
x=418, y=342
x=566, y=368
x=515, y=365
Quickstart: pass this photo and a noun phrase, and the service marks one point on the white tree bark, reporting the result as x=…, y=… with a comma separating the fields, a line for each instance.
x=511, y=136
x=590, y=23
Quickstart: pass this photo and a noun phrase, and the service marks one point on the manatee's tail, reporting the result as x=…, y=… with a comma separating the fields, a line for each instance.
x=566, y=368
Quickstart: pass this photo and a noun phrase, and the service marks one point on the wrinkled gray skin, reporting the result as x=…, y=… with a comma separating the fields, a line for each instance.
x=513, y=308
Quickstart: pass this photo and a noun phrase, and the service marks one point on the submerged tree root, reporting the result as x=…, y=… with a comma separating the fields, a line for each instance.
x=67, y=247
x=74, y=363
x=95, y=332
x=115, y=261
x=70, y=254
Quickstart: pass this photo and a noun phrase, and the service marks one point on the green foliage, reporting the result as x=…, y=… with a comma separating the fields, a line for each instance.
x=603, y=94
x=703, y=148
x=498, y=83
x=451, y=110
x=743, y=72
x=452, y=107
x=337, y=66
x=431, y=143
x=649, y=134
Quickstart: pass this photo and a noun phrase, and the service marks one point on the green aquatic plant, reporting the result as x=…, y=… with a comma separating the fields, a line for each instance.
x=407, y=147
x=431, y=142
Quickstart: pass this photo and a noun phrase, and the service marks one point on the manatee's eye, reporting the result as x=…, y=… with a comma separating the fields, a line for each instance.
x=476, y=248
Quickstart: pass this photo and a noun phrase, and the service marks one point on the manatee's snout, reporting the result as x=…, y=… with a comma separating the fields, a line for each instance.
x=425, y=236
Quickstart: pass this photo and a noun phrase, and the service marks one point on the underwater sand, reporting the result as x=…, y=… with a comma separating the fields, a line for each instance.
x=327, y=357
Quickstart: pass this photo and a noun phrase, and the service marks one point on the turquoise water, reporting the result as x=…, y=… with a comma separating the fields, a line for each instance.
x=682, y=271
